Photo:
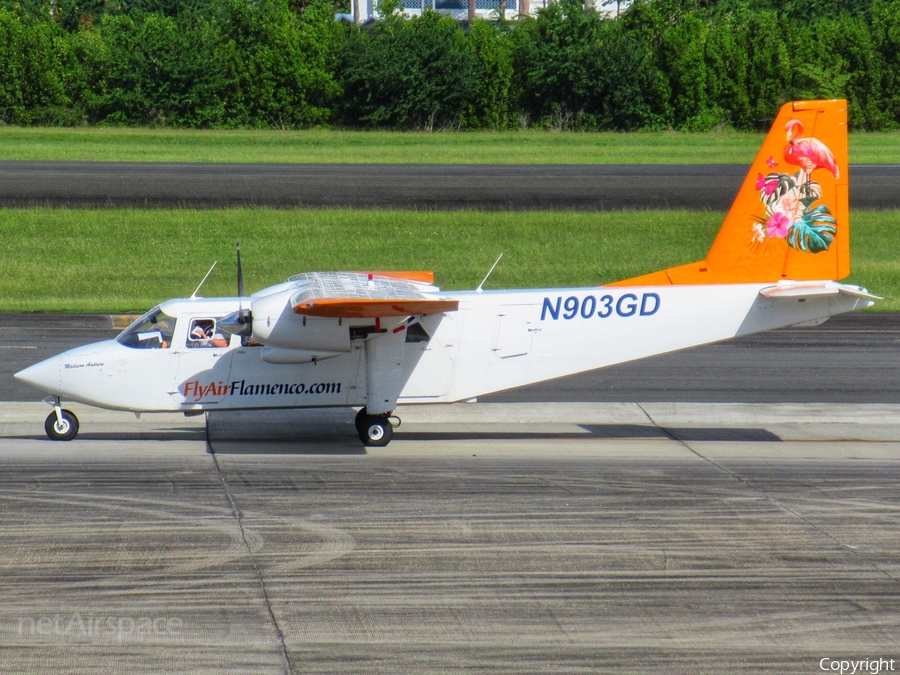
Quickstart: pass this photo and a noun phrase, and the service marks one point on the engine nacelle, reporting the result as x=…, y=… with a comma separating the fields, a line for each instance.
x=276, y=325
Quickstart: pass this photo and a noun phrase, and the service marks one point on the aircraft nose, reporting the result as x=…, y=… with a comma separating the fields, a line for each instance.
x=43, y=376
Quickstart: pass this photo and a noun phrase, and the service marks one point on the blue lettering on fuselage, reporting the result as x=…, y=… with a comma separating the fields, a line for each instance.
x=625, y=305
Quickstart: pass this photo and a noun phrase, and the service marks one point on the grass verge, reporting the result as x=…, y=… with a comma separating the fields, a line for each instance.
x=121, y=260
x=520, y=147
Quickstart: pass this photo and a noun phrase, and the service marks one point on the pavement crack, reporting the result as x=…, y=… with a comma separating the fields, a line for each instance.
x=845, y=547
x=237, y=516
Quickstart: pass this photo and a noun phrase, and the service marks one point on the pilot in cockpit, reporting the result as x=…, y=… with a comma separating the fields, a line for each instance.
x=203, y=334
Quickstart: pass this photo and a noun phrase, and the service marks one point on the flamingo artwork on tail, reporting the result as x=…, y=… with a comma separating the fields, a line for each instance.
x=808, y=153
x=791, y=214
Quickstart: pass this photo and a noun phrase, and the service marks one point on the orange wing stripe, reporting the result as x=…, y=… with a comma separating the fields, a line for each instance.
x=367, y=309
x=421, y=277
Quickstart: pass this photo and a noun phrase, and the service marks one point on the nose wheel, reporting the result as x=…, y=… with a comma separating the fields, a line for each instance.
x=375, y=431
x=61, y=425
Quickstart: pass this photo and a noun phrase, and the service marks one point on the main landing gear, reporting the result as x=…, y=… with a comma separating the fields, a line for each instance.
x=61, y=425
x=375, y=431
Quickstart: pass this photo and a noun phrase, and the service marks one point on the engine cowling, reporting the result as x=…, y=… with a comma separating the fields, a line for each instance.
x=276, y=325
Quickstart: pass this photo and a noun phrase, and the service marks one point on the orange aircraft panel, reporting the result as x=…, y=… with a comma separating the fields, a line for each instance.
x=421, y=277
x=356, y=308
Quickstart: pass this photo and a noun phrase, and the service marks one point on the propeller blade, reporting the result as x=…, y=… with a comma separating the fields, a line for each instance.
x=240, y=271
x=237, y=323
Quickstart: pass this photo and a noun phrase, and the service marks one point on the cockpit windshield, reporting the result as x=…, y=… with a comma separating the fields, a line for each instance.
x=154, y=330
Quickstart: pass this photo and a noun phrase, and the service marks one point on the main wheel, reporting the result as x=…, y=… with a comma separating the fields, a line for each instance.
x=61, y=431
x=376, y=431
x=360, y=420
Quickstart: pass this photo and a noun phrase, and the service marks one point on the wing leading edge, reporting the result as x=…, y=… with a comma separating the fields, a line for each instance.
x=367, y=309
x=360, y=295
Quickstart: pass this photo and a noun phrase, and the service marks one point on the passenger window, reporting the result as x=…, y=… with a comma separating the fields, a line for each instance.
x=202, y=333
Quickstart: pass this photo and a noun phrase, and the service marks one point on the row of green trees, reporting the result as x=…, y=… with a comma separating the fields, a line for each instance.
x=685, y=64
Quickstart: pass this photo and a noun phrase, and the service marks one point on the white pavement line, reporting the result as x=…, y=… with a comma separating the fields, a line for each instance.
x=666, y=414
x=524, y=413
x=722, y=414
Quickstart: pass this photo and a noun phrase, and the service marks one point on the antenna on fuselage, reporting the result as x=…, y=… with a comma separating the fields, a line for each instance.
x=480, y=286
x=194, y=294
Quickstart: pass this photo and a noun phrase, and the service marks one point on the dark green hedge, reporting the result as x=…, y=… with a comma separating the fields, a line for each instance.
x=685, y=64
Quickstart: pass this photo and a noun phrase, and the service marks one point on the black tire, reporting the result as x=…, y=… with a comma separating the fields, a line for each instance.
x=376, y=431
x=61, y=432
x=361, y=420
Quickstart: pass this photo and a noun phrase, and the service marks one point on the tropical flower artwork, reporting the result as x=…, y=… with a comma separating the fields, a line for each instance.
x=790, y=199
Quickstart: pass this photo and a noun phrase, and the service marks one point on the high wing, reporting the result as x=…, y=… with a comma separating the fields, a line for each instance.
x=372, y=308
x=359, y=295
x=396, y=297
x=316, y=316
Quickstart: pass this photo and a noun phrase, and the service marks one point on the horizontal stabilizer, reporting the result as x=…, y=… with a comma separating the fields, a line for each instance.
x=808, y=289
x=859, y=292
x=355, y=308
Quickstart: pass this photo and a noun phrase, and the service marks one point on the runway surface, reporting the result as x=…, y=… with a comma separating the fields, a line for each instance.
x=406, y=186
x=601, y=538
x=852, y=358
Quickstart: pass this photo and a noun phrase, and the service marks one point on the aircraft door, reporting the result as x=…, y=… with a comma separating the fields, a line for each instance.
x=204, y=362
x=140, y=375
x=515, y=330
x=429, y=357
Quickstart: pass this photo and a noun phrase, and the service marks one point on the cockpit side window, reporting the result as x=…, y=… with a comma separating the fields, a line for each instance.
x=154, y=330
x=203, y=333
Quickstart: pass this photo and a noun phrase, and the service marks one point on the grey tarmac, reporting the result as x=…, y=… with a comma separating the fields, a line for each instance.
x=591, y=187
x=507, y=538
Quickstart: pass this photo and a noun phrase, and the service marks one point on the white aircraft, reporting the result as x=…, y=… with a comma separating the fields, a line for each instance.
x=373, y=340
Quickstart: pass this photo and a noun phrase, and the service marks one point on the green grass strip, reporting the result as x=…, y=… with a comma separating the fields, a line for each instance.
x=112, y=260
x=520, y=147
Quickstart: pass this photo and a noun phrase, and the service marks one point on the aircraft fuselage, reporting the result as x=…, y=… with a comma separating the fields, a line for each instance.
x=496, y=340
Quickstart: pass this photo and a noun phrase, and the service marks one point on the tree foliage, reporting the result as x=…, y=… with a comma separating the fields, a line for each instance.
x=409, y=73
x=684, y=64
x=40, y=73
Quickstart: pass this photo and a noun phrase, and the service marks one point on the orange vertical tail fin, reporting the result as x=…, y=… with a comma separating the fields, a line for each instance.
x=790, y=219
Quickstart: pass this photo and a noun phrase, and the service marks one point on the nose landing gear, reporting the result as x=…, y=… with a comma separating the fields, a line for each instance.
x=61, y=425
x=375, y=431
